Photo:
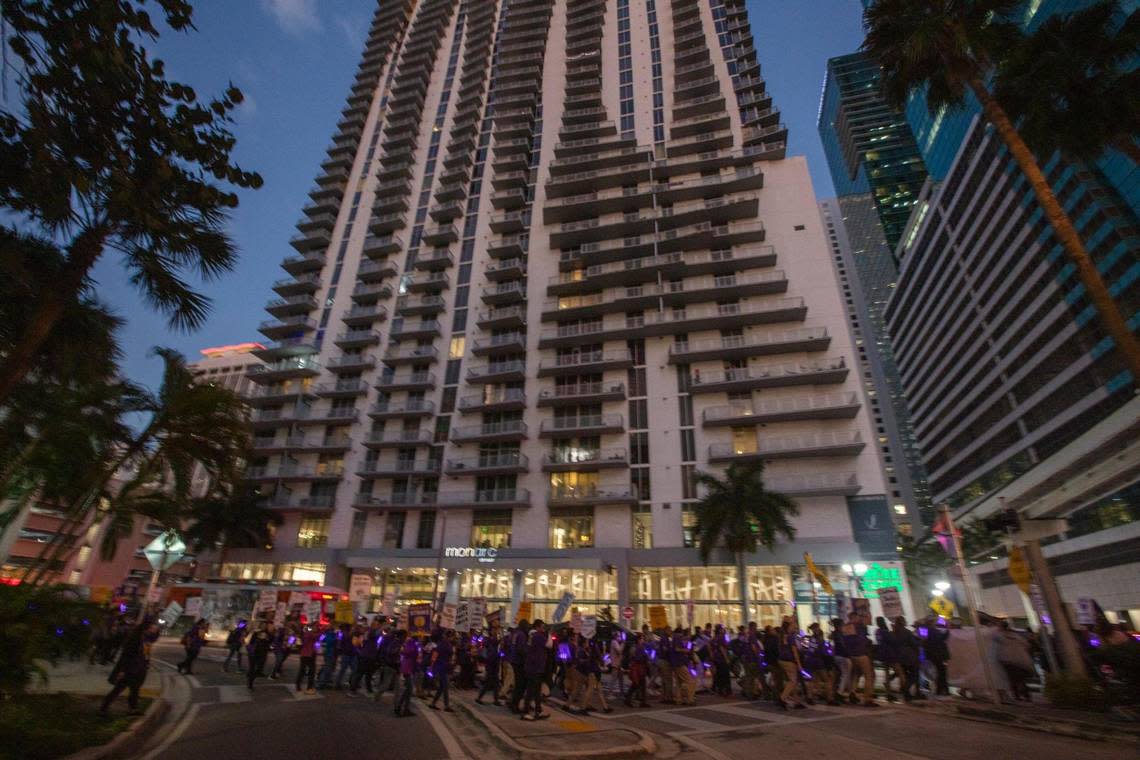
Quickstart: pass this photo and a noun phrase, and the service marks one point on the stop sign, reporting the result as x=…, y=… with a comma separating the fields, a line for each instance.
x=627, y=613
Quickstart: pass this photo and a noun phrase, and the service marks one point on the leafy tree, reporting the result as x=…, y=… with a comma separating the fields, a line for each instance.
x=104, y=153
x=925, y=559
x=230, y=520
x=950, y=48
x=741, y=514
x=38, y=624
x=1073, y=84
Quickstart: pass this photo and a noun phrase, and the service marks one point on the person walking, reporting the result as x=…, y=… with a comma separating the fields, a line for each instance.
x=842, y=662
x=858, y=649
x=260, y=643
x=440, y=669
x=409, y=657
x=283, y=641
x=520, y=638
x=588, y=662
x=192, y=642
x=681, y=663
x=235, y=642
x=719, y=659
x=465, y=660
x=937, y=648
x=886, y=653
x=388, y=659
x=491, y=665
x=366, y=659
x=788, y=654
x=907, y=654
x=535, y=666
x=348, y=639
x=664, y=663
x=130, y=671
x=328, y=647
x=820, y=662
x=308, y=657
x=638, y=672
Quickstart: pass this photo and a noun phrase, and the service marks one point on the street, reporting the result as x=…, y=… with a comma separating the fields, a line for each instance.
x=224, y=720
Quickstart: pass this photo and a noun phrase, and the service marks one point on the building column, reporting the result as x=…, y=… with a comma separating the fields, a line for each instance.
x=517, y=590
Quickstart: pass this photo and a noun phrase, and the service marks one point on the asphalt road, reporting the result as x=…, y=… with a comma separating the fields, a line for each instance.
x=225, y=720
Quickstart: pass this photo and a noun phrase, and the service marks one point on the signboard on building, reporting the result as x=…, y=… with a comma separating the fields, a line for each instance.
x=486, y=555
x=562, y=608
x=657, y=618
x=360, y=589
x=872, y=526
x=892, y=603
x=589, y=626
x=879, y=577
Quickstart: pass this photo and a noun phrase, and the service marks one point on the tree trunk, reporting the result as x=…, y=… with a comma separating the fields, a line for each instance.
x=742, y=579
x=1126, y=145
x=82, y=255
x=1107, y=309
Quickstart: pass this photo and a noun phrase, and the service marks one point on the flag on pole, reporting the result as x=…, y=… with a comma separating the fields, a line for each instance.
x=819, y=575
x=945, y=532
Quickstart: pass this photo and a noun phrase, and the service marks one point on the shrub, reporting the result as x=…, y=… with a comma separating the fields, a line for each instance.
x=39, y=623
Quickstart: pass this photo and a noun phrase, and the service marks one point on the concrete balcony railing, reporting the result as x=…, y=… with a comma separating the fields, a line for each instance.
x=825, y=444
x=825, y=406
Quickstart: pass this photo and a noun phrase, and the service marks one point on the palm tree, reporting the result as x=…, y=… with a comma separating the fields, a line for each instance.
x=739, y=513
x=950, y=48
x=1085, y=62
x=230, y=521
x=191, y=426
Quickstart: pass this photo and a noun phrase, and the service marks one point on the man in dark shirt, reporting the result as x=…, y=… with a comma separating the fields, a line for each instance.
x=519, y=638
x=440, y=669
x=535, y=670
x=490, y=665
x=859, y=651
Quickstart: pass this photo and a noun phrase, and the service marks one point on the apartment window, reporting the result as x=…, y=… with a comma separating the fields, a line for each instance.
x=744, y=441
x=491, y=528
x=313, y=533
x=356, y=535
x=426, y=534
x=394, y=530
x=642, y=518
x=689, y=537
x=573, y=485
x=572, y=528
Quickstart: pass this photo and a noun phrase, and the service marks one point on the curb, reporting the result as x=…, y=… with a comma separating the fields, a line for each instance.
x=1071, y=729
x=130, y=739
x=644, y=747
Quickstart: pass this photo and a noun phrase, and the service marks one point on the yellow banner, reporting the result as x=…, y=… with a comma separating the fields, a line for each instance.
x=526, y=612
x=819, y=575
x=657, y=618
x=344, y=613
x=1019, y=569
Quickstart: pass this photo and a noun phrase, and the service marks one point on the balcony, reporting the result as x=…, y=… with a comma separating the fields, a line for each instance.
x=502, y=498
x=575, y=279
x=585, y=362
x=585, y=424
x=506, y=269
x=342, y=389
x=572, y=497
x=490, y=432
x=371, y=292
x=510, y=343
x=291, y=471
x=287, y=327
x=407, y=306
x=357, y=339
x=828, y=444
x=382, y=245
x=351, y=363
x=374, y=271
x=426, y=282
x=488, y=464
x=363, y=315
x=497, y=372
x=585, y=460
x=814, y=484
x=264, y=418
x=508, y=247
x=758, y=344
x=291, y=305
x=440, y=234
x=301, y=366
x=411, y=354
x=331, y=416
x=829, y=406
x=504, y=293
x=275, y=394
x=414, y=407
x=394, y=439
x=307, y=262
x=506, y=316
x=400, y=468
x=411, y=381
x=286, y=348
x=314, y=240
x=427, y=328
x=289, y=503
x=823, y=372
x=290, y=286
x=439, y=258
x=581, y=393
x=497, y=400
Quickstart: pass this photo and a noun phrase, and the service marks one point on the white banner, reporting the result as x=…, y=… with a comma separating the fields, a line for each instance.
x=562, y=608
x=478, y=612
x=297, y=597
x=267, y=600
x=388, y=605
x=589, y=626
x=892, y=603
x=172, y=612
x=194, y=607
x=447, y=617
x=313, y=612
x=360, y=589
x=462, y=622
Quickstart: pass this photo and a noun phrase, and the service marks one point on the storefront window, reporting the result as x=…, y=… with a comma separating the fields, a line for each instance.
x=302, y=571
x=714, y=592
x=572, y=528
x=313, y=533
x=592, y=590
x=411, y=584
x=248, y=571
x=642, y=528
x=494, y=585
x=491, y=528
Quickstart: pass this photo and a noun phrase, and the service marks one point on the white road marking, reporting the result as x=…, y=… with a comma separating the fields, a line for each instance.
x=175, y=733
x=450, y=743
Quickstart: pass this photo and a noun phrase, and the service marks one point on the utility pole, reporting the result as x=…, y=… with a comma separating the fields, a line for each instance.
x=970, y=602
x=1059, y=616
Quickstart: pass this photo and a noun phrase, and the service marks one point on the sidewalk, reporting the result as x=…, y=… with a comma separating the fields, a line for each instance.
x=1080, y=724
x=561, y=736
x=83, y=678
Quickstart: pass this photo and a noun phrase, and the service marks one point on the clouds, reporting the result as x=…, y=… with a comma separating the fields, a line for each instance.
x=294, y=16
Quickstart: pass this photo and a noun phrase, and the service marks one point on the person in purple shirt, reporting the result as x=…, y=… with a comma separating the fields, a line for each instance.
x=490, y=665
x=409, y=656
x=859, y=651
x=441, y=663
x=535, y=669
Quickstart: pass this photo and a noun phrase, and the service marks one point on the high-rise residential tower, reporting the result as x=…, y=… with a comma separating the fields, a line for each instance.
x=556, y=265
x=878, y=175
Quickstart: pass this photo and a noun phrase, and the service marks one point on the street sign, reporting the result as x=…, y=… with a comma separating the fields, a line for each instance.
x=627, y=613
x=562, y=608
x=164, y=551
x=589, y=626
x=942, y=606
x=1019, y=569
x=892, y=603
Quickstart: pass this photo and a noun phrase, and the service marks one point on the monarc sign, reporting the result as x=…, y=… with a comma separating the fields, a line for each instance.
x=481, y=554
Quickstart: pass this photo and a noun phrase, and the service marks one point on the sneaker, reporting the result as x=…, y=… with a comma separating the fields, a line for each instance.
x=542, y=716
x=528, y=717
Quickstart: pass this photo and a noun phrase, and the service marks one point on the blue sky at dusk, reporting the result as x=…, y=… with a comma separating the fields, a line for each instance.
x=295, y=59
